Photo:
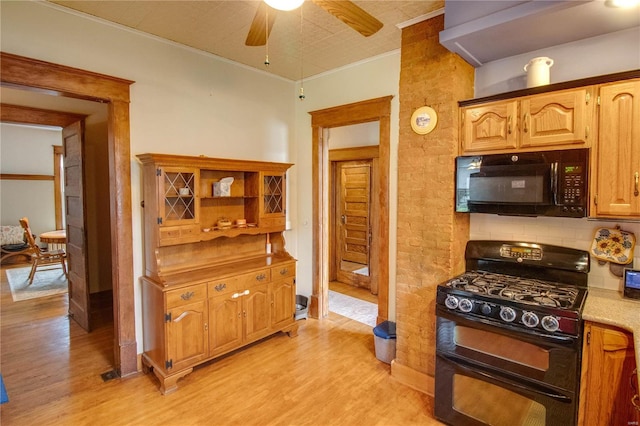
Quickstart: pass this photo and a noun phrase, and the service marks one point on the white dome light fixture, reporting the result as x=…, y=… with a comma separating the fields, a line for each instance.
x=284, y=4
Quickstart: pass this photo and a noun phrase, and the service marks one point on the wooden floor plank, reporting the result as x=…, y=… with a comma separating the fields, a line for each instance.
x=327, y=375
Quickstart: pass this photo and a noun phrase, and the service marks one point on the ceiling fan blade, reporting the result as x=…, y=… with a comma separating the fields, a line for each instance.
x=352, y=15
x=258, y=32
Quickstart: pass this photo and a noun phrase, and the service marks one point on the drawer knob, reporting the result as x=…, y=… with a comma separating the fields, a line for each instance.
x=261, y=277
x=284, y=271
x=220, y=287
x=188, y=295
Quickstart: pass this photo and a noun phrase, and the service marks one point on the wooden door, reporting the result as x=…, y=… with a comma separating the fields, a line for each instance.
x=618, y=150
x=283, y=302
x=490, y=127
x=607, y=371
x=187, y=339
x=225, y=323
x=353, y=227
x=256, y=312
x=558, y=118
x=73, y=143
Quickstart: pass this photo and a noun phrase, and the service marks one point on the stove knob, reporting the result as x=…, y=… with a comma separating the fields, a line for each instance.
x=507, y=314
x=550, y=323
x=486, y=309
x=530, y=319
x=451, y=302
x=465, y=305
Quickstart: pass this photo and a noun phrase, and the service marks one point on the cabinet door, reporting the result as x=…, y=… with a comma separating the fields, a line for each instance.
x=283, y=301
x=273, y=201
x=225, y=323
x=187, y=340
x=490, y=127
x=558, y=118
x=608, y=363
x=177, y=195
x=618, y=150
x=256, y=312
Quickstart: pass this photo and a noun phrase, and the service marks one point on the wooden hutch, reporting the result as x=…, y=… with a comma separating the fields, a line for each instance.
x=217, y=273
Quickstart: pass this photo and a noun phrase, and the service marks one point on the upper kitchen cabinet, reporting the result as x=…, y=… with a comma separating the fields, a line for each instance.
x=191, y=199
x=560, y=119
x=616, y=170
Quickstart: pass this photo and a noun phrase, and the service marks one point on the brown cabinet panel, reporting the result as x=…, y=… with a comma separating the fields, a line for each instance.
x=225, y=330
x=617, y=175
x=256, y=313
x=187, y=341
x=607, y=368
x=283, y=301
x=559, y=120
x=191, y=294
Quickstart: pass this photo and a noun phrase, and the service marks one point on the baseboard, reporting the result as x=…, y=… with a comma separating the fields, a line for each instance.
x=414, y=379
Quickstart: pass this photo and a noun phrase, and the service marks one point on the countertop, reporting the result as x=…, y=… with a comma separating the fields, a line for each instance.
x=610, y=307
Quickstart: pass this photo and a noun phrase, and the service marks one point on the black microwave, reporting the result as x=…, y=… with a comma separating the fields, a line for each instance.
x=547, y=183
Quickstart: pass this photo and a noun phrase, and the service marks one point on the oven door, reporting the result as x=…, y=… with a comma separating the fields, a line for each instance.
x=487, y=374
x=547, y=360
x=466, y=395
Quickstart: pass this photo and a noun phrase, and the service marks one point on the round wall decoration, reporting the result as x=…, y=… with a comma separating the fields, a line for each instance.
x=424, y=120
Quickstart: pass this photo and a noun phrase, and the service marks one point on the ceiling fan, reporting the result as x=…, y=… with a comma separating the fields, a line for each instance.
x=348, y=12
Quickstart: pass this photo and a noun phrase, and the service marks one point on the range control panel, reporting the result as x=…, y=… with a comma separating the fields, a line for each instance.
x=518, y=252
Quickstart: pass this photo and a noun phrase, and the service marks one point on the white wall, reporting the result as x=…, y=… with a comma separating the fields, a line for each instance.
x=365, y=134
x=586, y=58
x=28, y=150
x=183, y=101
x=375, y=78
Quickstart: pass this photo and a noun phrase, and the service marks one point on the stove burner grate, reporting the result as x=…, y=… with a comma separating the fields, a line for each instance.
x=523, y=290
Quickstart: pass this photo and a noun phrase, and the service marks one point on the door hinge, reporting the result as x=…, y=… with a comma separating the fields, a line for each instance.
x=159, y=221
x=588, y=98
x=598, y=102
x=595, y=199
x=586, y=132
x=588, y=338
x=168, y=364
x=167, y=317
x=158, y=172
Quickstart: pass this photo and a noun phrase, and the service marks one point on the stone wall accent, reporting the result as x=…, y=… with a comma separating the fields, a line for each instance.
x=431, y=236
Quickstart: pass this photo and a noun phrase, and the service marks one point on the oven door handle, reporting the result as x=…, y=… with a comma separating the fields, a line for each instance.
x=539, y=389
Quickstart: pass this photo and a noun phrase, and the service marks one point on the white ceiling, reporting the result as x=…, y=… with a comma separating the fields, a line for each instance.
x=221, y=27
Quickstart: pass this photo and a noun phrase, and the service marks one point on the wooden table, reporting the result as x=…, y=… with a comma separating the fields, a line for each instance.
x=55, y=239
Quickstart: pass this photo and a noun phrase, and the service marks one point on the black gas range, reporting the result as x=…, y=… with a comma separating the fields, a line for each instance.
x=510, y=327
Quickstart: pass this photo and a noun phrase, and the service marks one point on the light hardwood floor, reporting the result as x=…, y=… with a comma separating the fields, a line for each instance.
x=327, y=375
x=353, y=291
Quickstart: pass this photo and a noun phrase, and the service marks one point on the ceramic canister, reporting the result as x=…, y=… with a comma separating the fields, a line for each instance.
x=538, y=71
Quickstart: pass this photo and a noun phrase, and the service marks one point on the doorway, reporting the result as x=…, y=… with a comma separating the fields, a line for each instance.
x=354, y=176
x=378, y=109
x=35, y=75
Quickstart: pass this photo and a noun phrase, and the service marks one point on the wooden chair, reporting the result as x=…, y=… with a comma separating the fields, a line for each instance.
x=11, y=246
x=40, y=257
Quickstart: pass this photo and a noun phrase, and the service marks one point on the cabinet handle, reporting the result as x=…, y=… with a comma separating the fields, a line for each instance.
x=236, y=295
x=220, y=287
x=635, y=191
x=188, y=295
x=509, y=124
x=524, y=123
x=261, y=277
x=284, y=271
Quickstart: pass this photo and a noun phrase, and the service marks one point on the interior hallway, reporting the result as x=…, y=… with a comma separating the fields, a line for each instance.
x=327, y=375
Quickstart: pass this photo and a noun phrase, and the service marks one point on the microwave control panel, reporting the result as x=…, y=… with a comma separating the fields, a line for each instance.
x=572, y=185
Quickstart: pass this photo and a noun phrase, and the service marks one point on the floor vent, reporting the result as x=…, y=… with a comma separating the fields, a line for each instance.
x=109, y=375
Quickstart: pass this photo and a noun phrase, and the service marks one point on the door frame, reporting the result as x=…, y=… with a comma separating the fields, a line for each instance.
x=378, y=109
x=364, y=153
x=32, y=74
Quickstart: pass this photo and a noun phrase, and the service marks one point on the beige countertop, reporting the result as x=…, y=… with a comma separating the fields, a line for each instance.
x=610, y=307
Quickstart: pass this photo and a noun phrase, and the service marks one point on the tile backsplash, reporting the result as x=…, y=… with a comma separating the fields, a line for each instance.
x=574, y=233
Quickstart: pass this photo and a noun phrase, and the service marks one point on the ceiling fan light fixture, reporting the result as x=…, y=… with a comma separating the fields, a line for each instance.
x=284, y=4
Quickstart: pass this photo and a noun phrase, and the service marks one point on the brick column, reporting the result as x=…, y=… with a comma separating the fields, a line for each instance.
x=431, y=237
